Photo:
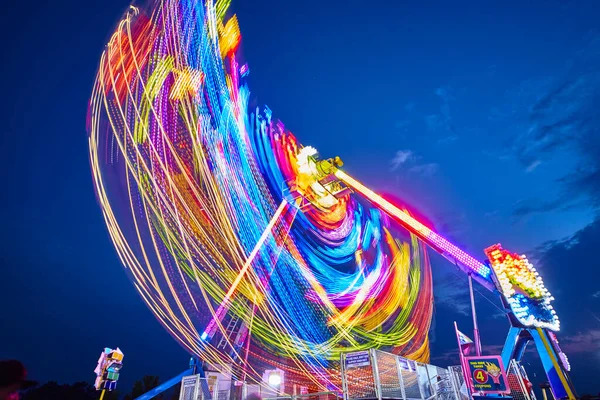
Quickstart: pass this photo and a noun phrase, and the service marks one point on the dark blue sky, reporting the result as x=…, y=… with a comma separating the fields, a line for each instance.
x=481, y=115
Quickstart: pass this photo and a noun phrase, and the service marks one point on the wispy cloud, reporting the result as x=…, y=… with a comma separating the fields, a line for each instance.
x=534, y=164
x=447, y=139
x=562, y=119
x=441, y=122
x=400, y=158
x=408, y=160
x=450, y=294
x=449, y=357
x=425, y=169
x=586, y=342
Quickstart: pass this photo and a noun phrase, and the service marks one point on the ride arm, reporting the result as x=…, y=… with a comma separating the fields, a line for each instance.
x=468, y=264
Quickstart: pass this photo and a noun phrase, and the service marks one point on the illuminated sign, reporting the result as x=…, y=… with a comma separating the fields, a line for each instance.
x=523, y=288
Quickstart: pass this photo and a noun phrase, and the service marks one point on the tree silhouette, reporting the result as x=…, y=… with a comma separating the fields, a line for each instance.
x=75, y=391
x=53, y=391
x=176, y=389
x=142, y=386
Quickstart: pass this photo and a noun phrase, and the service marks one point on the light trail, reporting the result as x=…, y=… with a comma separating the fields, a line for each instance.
x=210, y=329
x=436, y=241
x=190, y=179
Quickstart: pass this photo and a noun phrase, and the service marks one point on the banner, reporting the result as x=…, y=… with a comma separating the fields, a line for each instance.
x=487, y=375
x=464, y=342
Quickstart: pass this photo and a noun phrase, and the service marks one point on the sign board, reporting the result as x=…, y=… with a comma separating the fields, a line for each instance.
x=357, y=359
x=190, y=385
x=487, y=374
x=412, y=365
x=190, y=380
x=403, y=363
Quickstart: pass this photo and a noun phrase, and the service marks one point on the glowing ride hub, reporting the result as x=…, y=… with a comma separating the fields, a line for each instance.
x=247, y=248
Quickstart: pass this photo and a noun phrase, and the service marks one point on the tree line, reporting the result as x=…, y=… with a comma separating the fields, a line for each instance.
x=85, y=391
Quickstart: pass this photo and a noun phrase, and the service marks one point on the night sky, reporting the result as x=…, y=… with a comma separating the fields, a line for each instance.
x=481, y=115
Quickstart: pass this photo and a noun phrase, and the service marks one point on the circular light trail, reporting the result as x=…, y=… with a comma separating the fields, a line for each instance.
x=199, y=194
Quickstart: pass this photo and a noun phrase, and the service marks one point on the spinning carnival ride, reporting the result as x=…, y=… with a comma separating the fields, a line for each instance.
x=250, y=250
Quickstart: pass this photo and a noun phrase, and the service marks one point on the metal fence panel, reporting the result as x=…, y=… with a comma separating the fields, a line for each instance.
x=393, y=377
x=517, y=381
x=389, y=378
x=359, y=381
x=410, y=379
x=189, y=388
x=424, y=384
x=444, y=387
x=458, y=381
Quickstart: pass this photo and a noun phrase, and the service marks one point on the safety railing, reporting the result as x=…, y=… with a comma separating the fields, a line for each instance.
x=374, y=374
x=520, y=387
x=194, y=387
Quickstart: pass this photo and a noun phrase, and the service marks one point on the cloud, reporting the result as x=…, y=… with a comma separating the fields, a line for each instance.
x=567, y=268
x=562, y=121
x=410, y=159
x=452, y=293
x=586, y=342
x=425, y=169
x=533, y=166
x=439, y=122
x=434, y=122
x=529, y=207
x=447, y=139
x=448, y=357
x=442, y=121
x=400, y=158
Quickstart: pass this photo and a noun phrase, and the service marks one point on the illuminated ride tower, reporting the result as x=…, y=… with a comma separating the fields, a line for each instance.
x=524, y=297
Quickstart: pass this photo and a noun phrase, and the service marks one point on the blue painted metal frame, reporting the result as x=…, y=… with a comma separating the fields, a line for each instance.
x=194, y=367
x=514, y=348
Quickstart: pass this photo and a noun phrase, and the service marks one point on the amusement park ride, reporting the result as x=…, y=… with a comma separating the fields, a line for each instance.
x=526, y=300
x=204, y=199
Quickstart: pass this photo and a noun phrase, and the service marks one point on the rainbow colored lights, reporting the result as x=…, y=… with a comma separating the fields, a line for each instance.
x=192, y=185
x=524, y=289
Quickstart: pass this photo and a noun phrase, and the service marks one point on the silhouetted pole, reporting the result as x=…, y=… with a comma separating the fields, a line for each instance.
x=475, y=327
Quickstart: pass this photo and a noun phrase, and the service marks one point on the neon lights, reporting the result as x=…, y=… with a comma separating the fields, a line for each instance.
x=433, y=239
x=563, y=357
x=524, y=289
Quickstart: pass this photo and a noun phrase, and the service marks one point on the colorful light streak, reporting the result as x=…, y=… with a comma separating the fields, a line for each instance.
x=191, y=183
x=439, y=243
x=224, y=304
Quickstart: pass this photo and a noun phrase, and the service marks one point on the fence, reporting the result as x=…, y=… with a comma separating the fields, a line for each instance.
x=374, y=374
x=194, y=387
x=518, y=382
x=369, y=375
